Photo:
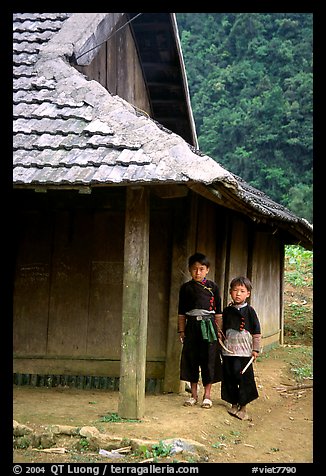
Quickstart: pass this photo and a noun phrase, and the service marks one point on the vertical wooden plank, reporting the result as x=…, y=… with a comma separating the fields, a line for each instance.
x=123, y=68
x=106, y=275
x=160, y=250
x=112, y=62
x=221, y=269
x=117, y=67
x=130, y=71
x=192, y=232
x=265, y=275
x=130, y=81
x=227, y=279
x=69, y=296
x=141, y=99
x=134, y=304
x=207, y=232
x=32, y=283
x=185, y=226
x=97, y=69
x=238, y=249
x=102, y=65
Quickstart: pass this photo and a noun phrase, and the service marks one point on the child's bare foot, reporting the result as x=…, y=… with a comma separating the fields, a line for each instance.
x=233, y=410
x=242, y=415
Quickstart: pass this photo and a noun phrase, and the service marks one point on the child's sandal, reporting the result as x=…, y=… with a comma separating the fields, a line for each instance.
x=190, y=402
x=207, y=403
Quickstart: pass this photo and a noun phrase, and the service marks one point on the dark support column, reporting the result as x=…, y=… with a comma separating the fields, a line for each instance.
x=135, y=304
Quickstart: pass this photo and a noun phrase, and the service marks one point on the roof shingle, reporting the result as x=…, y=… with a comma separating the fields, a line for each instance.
x=70, y=131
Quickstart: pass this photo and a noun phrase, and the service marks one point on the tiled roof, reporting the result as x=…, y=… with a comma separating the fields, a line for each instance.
x=69, y=131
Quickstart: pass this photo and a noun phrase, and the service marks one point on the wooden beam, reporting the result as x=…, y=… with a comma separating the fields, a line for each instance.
x=170, y=191
x=134, y=304
x=75, y=366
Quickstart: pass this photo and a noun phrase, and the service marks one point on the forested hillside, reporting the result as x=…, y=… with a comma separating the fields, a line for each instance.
x=250, y=81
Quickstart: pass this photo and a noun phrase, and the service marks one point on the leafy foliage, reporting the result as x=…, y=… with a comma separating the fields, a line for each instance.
x=160, y=449
x=250, y=81
x=298, y=277
x=298, y=266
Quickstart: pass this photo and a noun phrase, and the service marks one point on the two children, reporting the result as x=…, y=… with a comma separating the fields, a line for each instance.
x=201, y=327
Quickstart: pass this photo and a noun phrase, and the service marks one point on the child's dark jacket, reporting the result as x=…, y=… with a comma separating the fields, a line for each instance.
x=239, y=319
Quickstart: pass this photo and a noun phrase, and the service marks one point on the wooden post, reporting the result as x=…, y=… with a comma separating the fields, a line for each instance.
x=282, y=265
x=134, y=305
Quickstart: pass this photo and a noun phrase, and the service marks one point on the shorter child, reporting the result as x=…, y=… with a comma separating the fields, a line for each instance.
x=241, y=328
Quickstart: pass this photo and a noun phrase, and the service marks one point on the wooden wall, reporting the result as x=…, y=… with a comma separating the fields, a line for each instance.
x=69, y=271
x=258, y=255
x=267, y=294
x=117, y=68
x=32, y=282
x=68, y=286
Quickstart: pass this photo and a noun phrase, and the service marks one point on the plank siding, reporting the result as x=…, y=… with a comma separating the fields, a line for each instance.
x=238, y=249
x=159, y=282
x=121, y=77
x=183, y=242
x=71, y=259
x=207, y=230
x=69, y=299
x=105, y=304
x=266, y=274
x=111, y=60
x=32, y=282
x=219, y=276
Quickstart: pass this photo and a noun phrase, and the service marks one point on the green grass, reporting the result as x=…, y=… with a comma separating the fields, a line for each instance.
x=298, y=314
x=300, y=362
x=298, y=277
x=115, y=418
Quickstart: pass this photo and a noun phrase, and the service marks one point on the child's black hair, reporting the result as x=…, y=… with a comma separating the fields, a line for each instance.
x=200, y=258
x=242, y=281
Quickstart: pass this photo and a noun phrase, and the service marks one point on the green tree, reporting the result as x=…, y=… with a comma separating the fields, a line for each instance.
x=250, y=81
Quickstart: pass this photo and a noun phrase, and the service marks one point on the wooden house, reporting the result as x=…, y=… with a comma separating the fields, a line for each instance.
x=111, y=196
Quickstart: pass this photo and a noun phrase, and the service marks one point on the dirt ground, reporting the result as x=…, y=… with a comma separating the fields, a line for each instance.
x=281, y=429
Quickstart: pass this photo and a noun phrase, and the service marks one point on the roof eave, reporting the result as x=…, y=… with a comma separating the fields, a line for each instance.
x=296, y=230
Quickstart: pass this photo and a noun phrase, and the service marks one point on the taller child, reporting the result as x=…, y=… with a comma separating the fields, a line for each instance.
x=199, y=313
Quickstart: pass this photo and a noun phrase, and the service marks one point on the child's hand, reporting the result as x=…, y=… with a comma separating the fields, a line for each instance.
x=254, y=354
x=181, y=337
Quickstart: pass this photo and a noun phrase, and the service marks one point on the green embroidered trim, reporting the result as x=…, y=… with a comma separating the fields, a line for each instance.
x=207, y=330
